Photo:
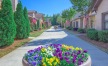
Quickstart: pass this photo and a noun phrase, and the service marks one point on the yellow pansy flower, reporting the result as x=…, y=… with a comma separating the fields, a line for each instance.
x=72, y=47
x=51, y=60
x=47, y=59
x=57, y=60
x=80, y=48
x=77, y=48
x=42, y=59
x=43, y=50
x=50, y=48
x=43, y=64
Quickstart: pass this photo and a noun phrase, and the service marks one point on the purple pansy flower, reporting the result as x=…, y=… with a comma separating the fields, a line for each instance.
x=85, y=51
x=34, y=63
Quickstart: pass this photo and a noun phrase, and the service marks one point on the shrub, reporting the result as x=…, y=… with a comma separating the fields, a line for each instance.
x=89, y=30
x=35, y=27
x=20, y=22
x=27, y=22
x=69, y=28
x=32, y=27
x=81, y=30
x=92, y=34
x=7, y=24
x=103, y=36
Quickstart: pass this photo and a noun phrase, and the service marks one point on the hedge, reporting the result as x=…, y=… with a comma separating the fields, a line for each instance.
x=69, y=28
x=103, y=36
x=80, y=30
x=92, y=34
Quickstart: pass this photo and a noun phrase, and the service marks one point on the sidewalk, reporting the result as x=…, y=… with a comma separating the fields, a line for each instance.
x=99, y=58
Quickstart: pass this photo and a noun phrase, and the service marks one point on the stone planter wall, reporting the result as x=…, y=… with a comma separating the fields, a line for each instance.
x=87, y=63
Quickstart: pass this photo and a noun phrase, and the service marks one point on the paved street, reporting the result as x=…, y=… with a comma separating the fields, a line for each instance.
x=99, y=58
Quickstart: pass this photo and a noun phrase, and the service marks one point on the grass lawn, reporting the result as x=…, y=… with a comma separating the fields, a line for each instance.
x=19, y=43
x=36, y=33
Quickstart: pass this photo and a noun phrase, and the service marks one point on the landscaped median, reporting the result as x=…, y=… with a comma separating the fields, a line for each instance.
x=17, y=43
x=57, y=55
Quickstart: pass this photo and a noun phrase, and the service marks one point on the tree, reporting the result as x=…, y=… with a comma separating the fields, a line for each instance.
x=68, y=14
x=27, y=22
x=38, y=24
x=7, y=24
x=20, y=22
x=59, y=19
x=81, y=5
x=71, y=13
x=65, y=14
x=54, y=19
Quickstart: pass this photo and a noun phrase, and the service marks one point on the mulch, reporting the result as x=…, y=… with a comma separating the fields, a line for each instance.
x=15, y=44
x=101, y=45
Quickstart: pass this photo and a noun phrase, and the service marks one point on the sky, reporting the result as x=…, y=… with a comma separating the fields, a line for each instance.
x=47, y=7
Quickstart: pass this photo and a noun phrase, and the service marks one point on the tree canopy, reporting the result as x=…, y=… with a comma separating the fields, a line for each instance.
x=54, y=19
x=81, y=5
x=68, y=14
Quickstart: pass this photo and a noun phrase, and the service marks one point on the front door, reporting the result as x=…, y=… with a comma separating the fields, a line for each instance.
x=76, y=24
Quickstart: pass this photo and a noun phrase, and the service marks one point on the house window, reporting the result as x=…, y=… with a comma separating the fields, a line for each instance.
x=106, y=21
x=92, y=23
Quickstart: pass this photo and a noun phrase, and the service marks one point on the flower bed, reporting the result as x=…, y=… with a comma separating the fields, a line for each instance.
x=56, y=55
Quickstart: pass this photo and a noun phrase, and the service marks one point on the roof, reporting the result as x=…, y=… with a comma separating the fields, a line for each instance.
x=39, y=15
x=96, y=4
x=32, y=11
x=77, y=16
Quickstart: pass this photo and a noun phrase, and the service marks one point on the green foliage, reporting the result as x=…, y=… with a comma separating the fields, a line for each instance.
x=80, y=30
x=92, y=34
x=59, y=19
x=32, y=28
x=68, y=14
x=54, y=19
x=69, y=28
x=27, y=22
x=7, y=24
x=103, y=36
x=65, y=14
x=81, y=5
x=71, y=13
x=89, y=30
x=38, y=24
x=43, y=26
x=20, y=22
x=35, y=27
